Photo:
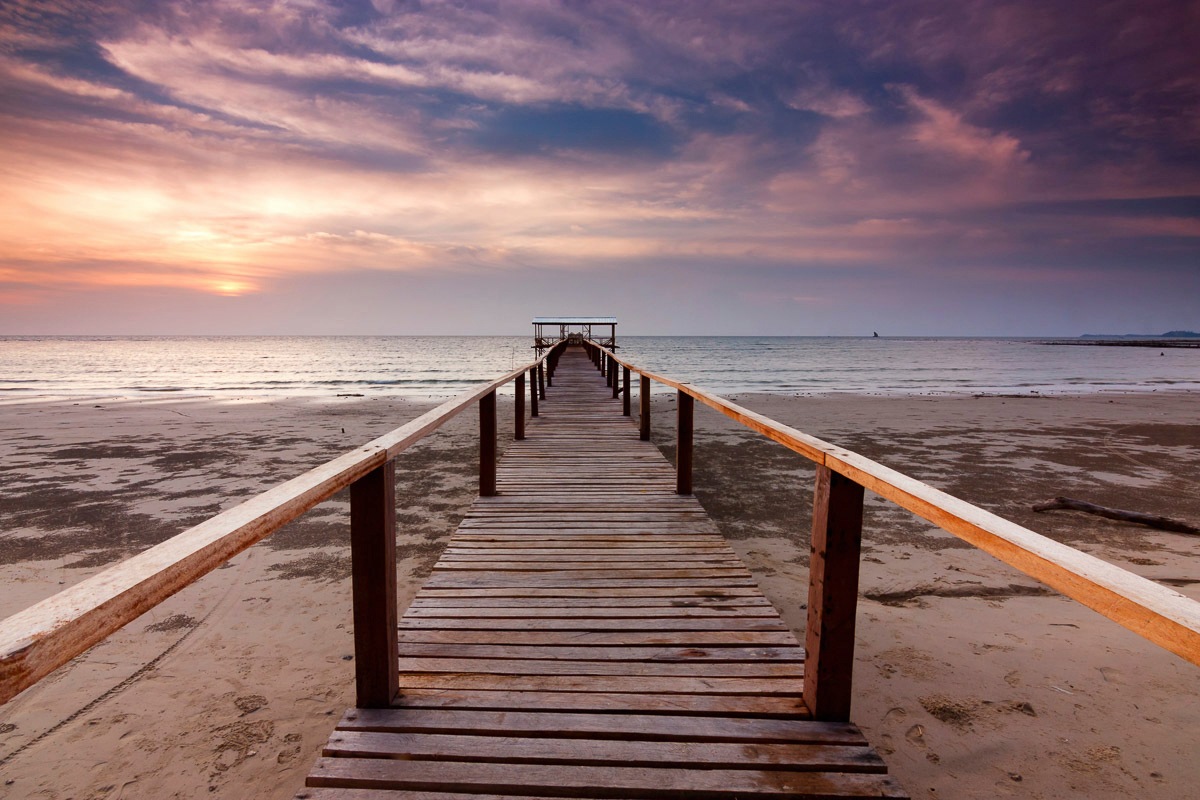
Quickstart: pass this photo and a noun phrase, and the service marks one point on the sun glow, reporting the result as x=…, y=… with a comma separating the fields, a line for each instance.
x=231, y=287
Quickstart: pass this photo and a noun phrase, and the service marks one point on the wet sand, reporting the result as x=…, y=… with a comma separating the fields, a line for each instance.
x=971, y=679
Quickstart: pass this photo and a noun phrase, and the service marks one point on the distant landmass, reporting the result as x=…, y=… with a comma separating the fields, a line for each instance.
x=1167, y=335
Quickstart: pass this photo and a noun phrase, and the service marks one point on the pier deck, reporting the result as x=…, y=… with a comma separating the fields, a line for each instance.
x=589, y=633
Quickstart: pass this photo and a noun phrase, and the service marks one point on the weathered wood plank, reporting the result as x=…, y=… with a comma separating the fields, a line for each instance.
x=566, y=666
x=649, y=727
x=720, y=637
x=733, y=705
x=595, y=653
x=607, y=781
x=605, y=752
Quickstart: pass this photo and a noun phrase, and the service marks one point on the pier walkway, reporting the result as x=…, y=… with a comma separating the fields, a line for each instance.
x=588, y=633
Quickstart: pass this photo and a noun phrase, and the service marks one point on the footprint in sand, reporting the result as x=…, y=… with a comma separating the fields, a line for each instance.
x=249, y=703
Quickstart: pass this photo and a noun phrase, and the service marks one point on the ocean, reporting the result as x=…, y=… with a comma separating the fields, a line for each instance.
x=432, y=367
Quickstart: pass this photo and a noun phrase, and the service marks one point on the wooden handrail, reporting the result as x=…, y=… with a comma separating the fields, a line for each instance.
x=36, y=641
x=1151, y=610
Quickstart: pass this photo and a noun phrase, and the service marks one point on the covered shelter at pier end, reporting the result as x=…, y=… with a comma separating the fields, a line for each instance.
x=549, y=331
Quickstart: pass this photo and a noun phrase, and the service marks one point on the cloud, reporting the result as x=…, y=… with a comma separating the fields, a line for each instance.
x=229, y=147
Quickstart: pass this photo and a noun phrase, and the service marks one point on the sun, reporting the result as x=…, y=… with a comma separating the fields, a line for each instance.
x=231, y=287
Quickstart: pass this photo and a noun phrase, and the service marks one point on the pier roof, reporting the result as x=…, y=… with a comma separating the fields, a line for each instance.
x=574, y=320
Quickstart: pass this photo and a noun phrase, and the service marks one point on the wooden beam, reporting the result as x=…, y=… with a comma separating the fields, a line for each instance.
x=373, y=559
x=832, y=596
x=625, y=400
x=683, y=446
x=519, y=408
x=541, y=376
x=533, y=392
x=487, y=445
x=644, y=408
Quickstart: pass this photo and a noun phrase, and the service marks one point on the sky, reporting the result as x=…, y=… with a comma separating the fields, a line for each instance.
x=752, y=167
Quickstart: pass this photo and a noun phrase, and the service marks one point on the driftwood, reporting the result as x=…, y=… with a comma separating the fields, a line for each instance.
x=1152, y=520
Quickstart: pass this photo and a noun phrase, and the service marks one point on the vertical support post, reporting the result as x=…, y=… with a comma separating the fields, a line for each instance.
x=613, y=376
x=625, y=401
x=541, y=370
x=832, y=595
x=487, y=445
x=373, y=567
x=683, y=446
x=644, y=408
x=533, y=398
x=519, y=408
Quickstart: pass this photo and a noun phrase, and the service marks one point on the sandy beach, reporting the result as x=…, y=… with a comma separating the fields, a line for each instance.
x=972, y=680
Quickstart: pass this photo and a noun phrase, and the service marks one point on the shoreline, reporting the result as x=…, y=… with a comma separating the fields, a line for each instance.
x=955, y=650
x=13, y=397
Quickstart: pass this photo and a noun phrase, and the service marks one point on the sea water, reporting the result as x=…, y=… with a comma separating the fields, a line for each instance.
x=432, y=367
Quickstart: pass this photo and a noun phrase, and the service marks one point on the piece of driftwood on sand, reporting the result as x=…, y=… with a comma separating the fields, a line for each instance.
x=1151, y=520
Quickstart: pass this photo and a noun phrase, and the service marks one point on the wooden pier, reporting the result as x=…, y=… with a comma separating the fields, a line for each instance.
x=588, y=633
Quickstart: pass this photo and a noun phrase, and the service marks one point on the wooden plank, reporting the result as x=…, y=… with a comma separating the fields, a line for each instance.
x=734, y=705
x=566, y=666
x=721, y=637
x=594, y=653
x=593, y=625
x=687, y=592
x=605, y=752
x=596, y=612
x=648, y=727
x=635, y=684
x=423, y=602
x=607, y=781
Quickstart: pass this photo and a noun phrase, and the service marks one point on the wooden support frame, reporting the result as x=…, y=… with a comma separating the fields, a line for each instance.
x=644, y=408
x=1151, y=610
x=373, y=567
x=832, y=595
x=519, y=408
x=36, y=641
x=614, y=378
x=541, y=380
x=626, y=402
x=683, y=444
x=487, y=445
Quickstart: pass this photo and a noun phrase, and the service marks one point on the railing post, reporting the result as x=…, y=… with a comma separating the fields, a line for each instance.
x=533, y=398
x=373, y=567
x=487, y=445
x=519, y=408
x=832, y=595
x=541, y=370
x=683, y=446
x=644, y=408
x=613, y=377
x=625, y=402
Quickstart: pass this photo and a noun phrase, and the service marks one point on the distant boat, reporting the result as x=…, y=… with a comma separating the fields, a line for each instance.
x=875, y=334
